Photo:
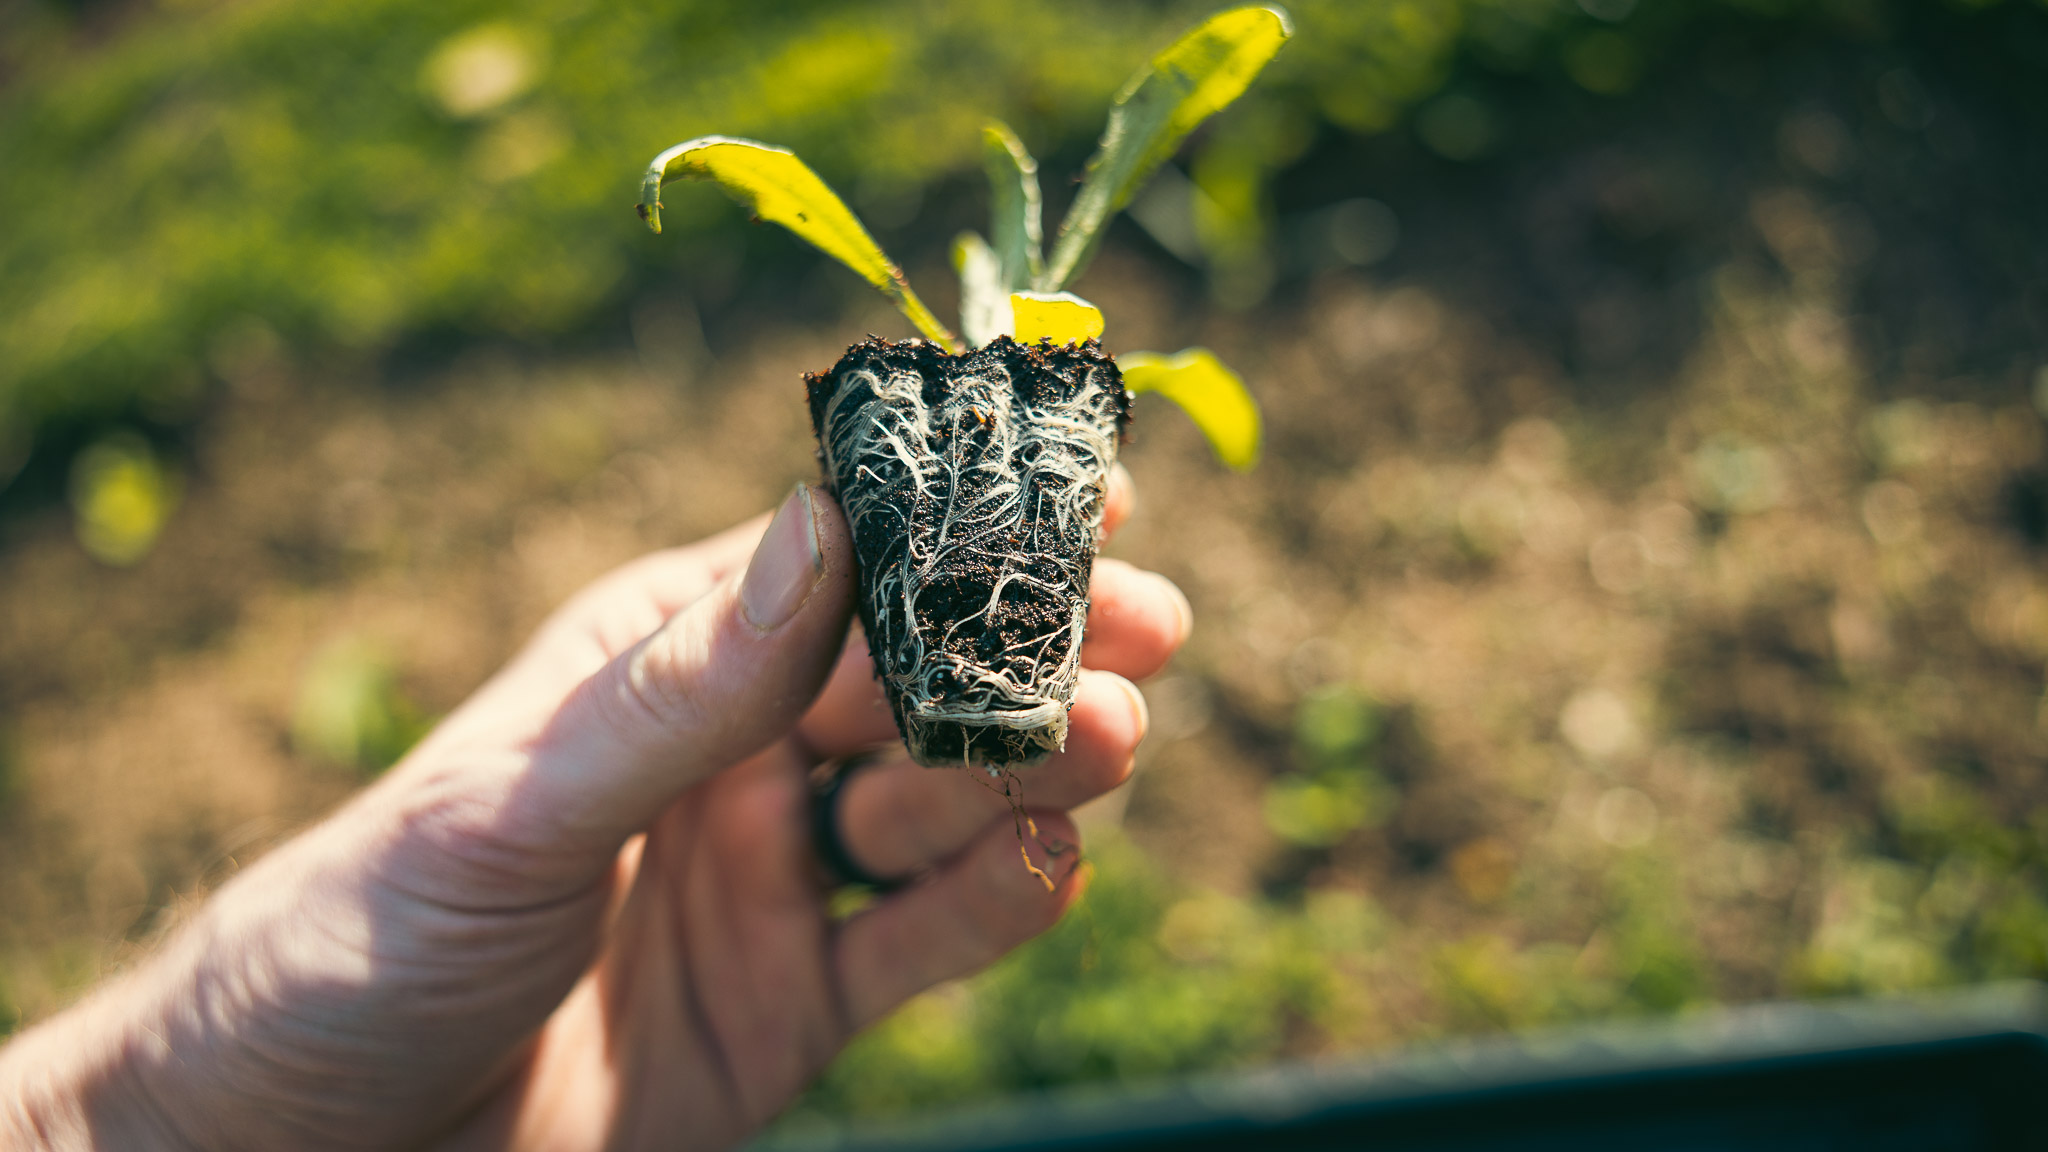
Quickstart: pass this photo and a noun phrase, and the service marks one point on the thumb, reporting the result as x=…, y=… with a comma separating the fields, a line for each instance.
x=719, y=681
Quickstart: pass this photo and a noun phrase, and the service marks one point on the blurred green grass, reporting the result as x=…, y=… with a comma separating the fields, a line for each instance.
x=345, y=175
x=191, y=183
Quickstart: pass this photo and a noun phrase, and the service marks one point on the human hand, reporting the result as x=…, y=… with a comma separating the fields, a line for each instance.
x=584, y=912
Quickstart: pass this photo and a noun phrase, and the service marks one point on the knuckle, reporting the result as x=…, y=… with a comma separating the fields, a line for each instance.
x=443, y=835
x=660, y=682
x=461, y=839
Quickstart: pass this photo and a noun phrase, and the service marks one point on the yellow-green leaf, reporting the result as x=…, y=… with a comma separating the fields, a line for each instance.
x=778, y=187
x=984, y=297
x=1209, y=392
x=1060, y=317
x=1190, y=81
x=1014, y=207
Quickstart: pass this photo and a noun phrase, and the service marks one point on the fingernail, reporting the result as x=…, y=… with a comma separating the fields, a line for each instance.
x=1181, y=607
x=1140, y=714
x=786, y=564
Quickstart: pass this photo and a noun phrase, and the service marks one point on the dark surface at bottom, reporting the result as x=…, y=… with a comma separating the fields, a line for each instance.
x=1968, y=1094
x=1966, y=1070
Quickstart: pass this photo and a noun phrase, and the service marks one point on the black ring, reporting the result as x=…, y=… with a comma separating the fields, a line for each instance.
x=825, y=841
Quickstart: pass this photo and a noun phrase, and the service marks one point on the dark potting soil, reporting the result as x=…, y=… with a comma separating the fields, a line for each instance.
x=974, y=485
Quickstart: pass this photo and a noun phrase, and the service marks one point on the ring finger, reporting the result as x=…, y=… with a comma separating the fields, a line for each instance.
x=896, y=818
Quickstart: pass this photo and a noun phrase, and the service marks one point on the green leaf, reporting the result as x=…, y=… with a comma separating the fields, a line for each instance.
x=121, y=496
x=778, y=187
x=984, y=297
x=1194, y=79
x=1014, y=206
x=1060, y=317
x=1210, y=393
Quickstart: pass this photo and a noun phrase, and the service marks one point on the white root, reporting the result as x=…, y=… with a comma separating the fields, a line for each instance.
x=1004, y=480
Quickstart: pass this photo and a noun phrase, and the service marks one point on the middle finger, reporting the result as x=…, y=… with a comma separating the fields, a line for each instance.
x=1136, y=620
x=896, y=818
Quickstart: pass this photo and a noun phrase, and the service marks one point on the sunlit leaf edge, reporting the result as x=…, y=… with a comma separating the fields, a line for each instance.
x=1213, y=396
x=776, y=186
x=1016, y=229
x=1193, y=78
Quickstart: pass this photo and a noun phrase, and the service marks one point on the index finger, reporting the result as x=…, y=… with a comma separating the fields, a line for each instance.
x=1136, y=620
x=1118, y=501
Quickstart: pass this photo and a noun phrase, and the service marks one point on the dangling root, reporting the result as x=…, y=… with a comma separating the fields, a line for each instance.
x=1013, y=793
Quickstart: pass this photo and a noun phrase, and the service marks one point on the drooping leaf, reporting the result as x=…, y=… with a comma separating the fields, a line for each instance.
x=1014, y=205
x=984, y=297
x=1190, y=81
x=1060, y=317
x=1208, y=391
x=778, y=187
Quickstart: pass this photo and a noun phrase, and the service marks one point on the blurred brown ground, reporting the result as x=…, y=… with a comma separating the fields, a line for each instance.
x=1706, y=639
x=1582, y=671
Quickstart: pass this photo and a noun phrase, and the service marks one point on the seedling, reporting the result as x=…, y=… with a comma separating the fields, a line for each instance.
x=973, y=473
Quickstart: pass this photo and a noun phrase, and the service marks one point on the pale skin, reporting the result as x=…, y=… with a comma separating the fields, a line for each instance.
x=585, y=912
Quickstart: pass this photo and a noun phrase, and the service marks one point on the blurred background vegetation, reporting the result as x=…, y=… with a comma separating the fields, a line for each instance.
x=1640, y=607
